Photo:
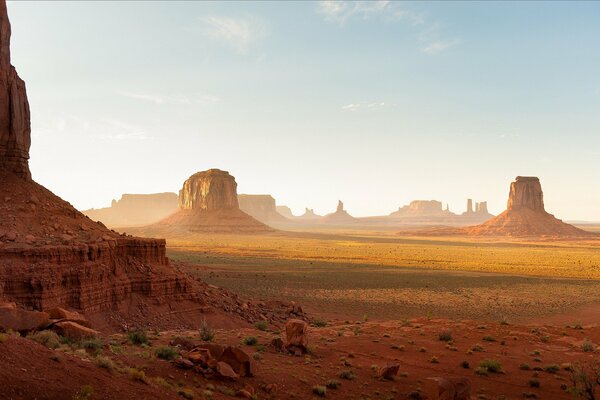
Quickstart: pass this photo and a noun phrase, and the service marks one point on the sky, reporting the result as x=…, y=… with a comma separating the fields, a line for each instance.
x=374, y=103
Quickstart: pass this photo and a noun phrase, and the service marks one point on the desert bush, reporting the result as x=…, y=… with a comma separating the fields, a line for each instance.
x=319, y=390
x=137, y=375
x=588, y=346
x=465, y=364
x=320, y=323
x=445, y=336
x=250, y=340
x=585, y=378
x=166, y=353
x=333, y=384
x=261, y=325
x=47, y=338
x=489, y=338
x=3, y=337
x=524, y=367
x=552, y=368
x=84, y=393
x=92, y=344
x=106, y=363
x=138, y=337
x=491, y=365
x=533, y=382
x=207, y=334
x=346, y=374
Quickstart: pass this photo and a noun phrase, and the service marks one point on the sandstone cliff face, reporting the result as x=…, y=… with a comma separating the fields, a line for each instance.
x=526, y=192
x=15, y=127
x=285, y=211
x=209, y=191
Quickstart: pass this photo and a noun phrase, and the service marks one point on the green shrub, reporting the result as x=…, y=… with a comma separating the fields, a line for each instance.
x=137, y=375
x=534, y=383
x=319, y=390
x=261, y=325
x=166, y=353
x=465, y=365
x=84, y=393
x=333, y=384
x=47, y=338
x=138, y=337
x=489, y=339
x=186, y=393
x=524, y=367
x=346, y=374
x=250, y=340
x=552, y=368
x=106, y=363
x=320, y=323
x=207, y=334
x=445, y=336
x=490, y=365
x=92, y=344
x=588, y=346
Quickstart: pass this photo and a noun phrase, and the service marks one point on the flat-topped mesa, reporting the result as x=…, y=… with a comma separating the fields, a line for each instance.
x=15, y=125
x=209, y=191
x=526, y=192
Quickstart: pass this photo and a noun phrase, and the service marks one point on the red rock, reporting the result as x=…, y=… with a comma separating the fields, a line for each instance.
x=439, y=389
x=62, y=314
x=462, y=387
x=215, y=350
x=389, y=371
x=73, y=330
x=15, y=125
x=182, y=343
x=183, y=363
x=277, y=344
x=224, y=370
x=239, y=360
x=296, y=332
x=17, y=319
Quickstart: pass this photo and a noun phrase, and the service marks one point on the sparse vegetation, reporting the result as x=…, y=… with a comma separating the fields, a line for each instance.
x=347, y=374
x=84, y=393
x=465, y=364
x=534, y=383
x=261, y=325
x=207, y=334
x=552, y=368
x=95, y=344
x=166, y=353
x=138, y=337
x=491, y=365
x=47, y=338
x=319, y=390
x=445, y=336
x=250, y=340
x=588, y=346
x=186, y=393
x=319, y=323
x=333, y=384
x=106, y=363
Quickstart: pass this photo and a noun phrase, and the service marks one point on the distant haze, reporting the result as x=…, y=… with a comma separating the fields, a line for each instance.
x=374, y=103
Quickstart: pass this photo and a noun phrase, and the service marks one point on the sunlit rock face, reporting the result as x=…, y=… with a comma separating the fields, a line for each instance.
x=210, y=190
x=15, y=126
x=526, y=192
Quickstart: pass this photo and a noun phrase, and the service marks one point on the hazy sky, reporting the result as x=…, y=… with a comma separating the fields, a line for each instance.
x=373, y=103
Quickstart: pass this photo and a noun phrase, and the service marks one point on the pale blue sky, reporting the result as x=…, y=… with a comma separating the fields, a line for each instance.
x=373, y=103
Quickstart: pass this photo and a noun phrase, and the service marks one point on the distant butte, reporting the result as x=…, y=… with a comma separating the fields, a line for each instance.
x=208, y=202
x=525, y=215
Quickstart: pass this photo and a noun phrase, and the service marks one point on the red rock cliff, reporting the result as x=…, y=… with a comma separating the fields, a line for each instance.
x=209, y=191
x=15, y=127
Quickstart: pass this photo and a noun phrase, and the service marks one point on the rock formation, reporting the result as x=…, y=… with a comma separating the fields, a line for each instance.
x=261, y=207
x=211, y=190
x=339, y=217
x=208, y=202
x=421, y=208
x=309, y=215
x=136, y=210
x=285, y=211
x=525, y=215
x=15, y=127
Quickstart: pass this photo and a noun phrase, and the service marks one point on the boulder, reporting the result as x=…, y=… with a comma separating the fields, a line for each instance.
x=66, y=315
x=447, y=388
x=20, y=320
x=182, y=343
x=239, y=360
x=296, y=332
x=389, y=371
x=224, y=370
x=74, y=331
